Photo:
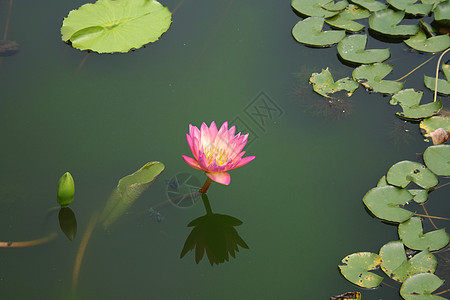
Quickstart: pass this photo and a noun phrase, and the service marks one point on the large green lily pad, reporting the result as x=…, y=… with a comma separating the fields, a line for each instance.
x=409, y=100
x=443, y=86
x=411, y=7
x=313, y=8
x=442, y=13
x=385, y=203
x=385, y=21
x=437, y=159
x=344, y=20
x=402, y=173
x=429, y=125
x=395, y=264
x=108, y=26
x=356, y=267
x=411, y=234
x=352, y=48
x=371, y=77
x=309, y=32
x=434, y=44
x=420, y=287
x=370, y=5
x=324, y=84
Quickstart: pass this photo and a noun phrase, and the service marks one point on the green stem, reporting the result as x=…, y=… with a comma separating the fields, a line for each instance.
x=206, y=204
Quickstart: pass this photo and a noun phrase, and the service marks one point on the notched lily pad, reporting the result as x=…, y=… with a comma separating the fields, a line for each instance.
x=344, y=20
x=309, y=32
x=352, y=48
x=402, y=173
x=420, y=196
x=370, y=5
x=411, y=234
x=313, y=8
x=420, y=286
x=371, y=77
x=338, y=6
x=411, y=7
x=437, y=159
x=434, y=44
x=324, y=84
x=355, y=268
x=385, y=21
x=386, y=202
x=409, y=100
x=108, y=26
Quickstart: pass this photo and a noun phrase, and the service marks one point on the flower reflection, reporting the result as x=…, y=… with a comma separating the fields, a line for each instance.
x=214, y=234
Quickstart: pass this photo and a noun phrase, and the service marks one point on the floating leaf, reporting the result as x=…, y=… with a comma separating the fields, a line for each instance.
x=352, y=48
x=437, y=159
x=338, y=6
x=309, y=32
x=382, y=182
x=128, y=190
x=344, y=20
x=371, y=5
x=442, y=13
x=371, y=77
x=429, y=125
x=355, y=269
x=324, y=84
x=385, y=21
x=434, y=44
x=410, y=6
x=409, y=100
x=385, y=203
x=109, y=26
x=312, y=8
x=395, y=263
x=411, y=234
x=420, y=286
x=443, y=86
x=402, y=173
x=420, y=196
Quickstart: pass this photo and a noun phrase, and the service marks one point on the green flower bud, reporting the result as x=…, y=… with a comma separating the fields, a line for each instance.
x=66, y=189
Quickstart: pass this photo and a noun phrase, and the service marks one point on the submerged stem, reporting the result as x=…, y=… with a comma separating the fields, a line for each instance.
x=40, y=241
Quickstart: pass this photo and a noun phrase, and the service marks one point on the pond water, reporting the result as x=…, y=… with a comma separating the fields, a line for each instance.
x=299, y=200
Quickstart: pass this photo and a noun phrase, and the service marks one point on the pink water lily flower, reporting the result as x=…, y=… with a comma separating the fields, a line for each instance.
x=216, y=151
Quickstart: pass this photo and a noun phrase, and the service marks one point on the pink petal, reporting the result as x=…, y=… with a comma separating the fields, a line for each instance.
x=222, y=177
x=191, y=162
x=244, y=161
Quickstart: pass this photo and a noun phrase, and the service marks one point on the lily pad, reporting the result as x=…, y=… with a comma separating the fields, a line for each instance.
x=385, y=203
x=352, y=48
x=402, y=173
x=442, y=13
x=382, y=182
x=409, y=100
x=395, y=263
x=443, y=86
x=437, y=159
x=371, y=77
x=411, y=234
x=420, y=196
x=370, y=5
x=108, y=26
x=420, y=287
x=434, y=44
x=411, y=7
x=309, y=32
x=356, y=267
x=338, y=6
x=128, y=190
x=344, y=20
x=313, y=8
x=430, y=125
x=324, y=84
x=385, y=21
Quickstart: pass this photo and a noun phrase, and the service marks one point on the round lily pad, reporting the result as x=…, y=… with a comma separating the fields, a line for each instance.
x=385, y=201
x=402, y=173
x=371, y=77
x=338, y=6
x=437, y=159
x=312, y=8
x=356, y=267
x=108, y=26
x=370, y=5
x=309, y=32
x=324, y=84
x=434, y=44
x=411, y=7
x=344, y=20
x=411, y=234
x=385, y=21
x=352, y=48
x=430, y=125
x=420, y=287
x=409, y=100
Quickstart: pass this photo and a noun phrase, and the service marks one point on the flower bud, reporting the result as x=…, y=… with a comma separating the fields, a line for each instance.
x=66, y=189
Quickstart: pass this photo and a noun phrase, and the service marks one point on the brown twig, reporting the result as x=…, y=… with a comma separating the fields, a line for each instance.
x=428, y=216
x=433, y=217
x=442, y=292
x=37, y=242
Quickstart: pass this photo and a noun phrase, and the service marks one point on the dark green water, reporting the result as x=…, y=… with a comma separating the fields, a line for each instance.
x=299, y=200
